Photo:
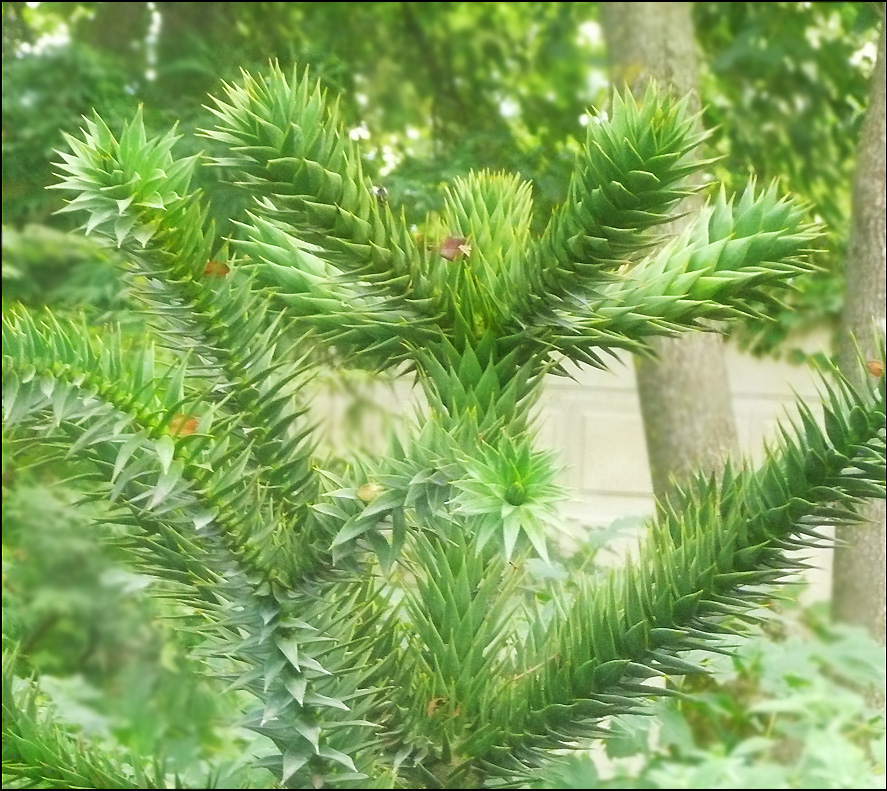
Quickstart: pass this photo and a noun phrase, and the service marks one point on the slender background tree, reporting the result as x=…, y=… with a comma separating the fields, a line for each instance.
x=685, y=392
x=860, y=585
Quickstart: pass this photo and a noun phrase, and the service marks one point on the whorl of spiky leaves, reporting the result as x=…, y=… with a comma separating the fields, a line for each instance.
x=481, y=382
x=288, y=147
x=491, y=212
x=714, y=553
x=509, y=490
x=437, y=480
x=134, y=188
x=631, y=172
x=455, y=474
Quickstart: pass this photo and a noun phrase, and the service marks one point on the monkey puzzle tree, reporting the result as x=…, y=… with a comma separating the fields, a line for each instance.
x=375, y=614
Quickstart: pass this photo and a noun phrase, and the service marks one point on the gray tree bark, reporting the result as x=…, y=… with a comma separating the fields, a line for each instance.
x=859, y=579
x=685, y=393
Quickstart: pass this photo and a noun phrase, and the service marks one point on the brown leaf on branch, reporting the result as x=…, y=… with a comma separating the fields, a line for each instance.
x=455, y=247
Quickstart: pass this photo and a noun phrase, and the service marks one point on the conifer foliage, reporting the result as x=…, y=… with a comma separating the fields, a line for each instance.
x=378, y=614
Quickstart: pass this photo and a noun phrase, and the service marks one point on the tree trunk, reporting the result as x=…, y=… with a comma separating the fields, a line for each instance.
x=858, y=578
x=685, y=393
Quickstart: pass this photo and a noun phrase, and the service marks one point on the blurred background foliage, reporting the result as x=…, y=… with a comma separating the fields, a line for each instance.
x=432, y=90
x=791, y=708
x=787, y=85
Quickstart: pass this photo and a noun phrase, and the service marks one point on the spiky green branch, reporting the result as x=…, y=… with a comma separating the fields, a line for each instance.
x=715, y=551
